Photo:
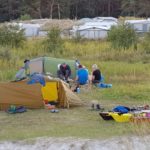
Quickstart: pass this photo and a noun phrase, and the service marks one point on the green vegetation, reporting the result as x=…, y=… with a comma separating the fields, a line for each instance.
x=53, y=43
x=146, y=43
x=122, y=36
x=25, y=17
x=77, y=122
x=127, y=70
x=11, y=35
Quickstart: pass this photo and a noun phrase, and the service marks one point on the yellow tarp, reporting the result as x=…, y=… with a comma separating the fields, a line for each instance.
x=50, y=92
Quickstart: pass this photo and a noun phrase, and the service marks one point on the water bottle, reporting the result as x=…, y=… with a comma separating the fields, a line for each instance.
x=78, y=90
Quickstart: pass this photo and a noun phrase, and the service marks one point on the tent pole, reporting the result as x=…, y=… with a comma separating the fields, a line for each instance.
x=43, y=65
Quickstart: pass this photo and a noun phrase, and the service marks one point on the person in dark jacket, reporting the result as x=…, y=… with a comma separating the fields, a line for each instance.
x=96, y=74
x=64, y=71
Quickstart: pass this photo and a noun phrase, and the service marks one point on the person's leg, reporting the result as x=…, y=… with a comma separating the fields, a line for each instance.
x=60, y=75
x=95, y=82
x=76, y=86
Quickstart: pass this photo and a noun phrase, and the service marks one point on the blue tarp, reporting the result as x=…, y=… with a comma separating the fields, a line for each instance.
x=37, y=78
x=121, y=109
x=104, y=85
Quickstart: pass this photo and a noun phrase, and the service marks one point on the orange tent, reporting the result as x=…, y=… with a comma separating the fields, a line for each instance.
x=32, y=96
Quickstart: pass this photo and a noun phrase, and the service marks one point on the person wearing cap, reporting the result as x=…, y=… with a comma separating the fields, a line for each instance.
x=64, y=71
x=82, y=75
x=96, y=74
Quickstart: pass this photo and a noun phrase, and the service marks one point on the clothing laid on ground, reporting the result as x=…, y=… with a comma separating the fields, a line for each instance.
x=82, y=74
x=97, y=76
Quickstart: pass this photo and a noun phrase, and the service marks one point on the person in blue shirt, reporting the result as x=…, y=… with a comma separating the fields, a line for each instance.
x=82, y=75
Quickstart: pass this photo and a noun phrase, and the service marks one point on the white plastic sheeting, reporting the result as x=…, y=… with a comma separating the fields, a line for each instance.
x=108, y=19
x=30, y=30
x=93, y=33
x=95, y=28
x=140, y=26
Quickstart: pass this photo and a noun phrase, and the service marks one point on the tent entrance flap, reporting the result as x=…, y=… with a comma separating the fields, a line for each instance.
x=50, y=91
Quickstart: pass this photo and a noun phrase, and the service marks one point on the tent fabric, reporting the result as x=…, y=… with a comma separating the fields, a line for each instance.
x=67, y=98
x=50, y=66
x=20, y=94
x=36, y=65
x=30, y=96
x=37, y=78
x=50, y=92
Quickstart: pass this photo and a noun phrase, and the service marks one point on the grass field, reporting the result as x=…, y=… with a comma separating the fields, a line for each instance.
x=128, y=71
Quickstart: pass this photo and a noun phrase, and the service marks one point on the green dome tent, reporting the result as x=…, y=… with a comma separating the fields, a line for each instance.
x=49, y=66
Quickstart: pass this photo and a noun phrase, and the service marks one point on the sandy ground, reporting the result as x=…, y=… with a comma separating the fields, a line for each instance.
x=122, y=143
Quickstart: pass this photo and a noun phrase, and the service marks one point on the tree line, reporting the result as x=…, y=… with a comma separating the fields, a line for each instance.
x=73, y=9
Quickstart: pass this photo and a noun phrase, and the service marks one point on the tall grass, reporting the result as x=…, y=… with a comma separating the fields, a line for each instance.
x=88, y=52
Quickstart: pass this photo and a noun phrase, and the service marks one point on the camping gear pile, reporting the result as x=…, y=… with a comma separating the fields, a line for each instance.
x=126, y=114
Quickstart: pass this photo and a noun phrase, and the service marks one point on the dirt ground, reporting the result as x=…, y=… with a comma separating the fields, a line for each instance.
x=119, y=143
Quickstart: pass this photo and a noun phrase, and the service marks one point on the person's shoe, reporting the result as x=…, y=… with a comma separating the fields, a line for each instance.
x=54, y=111
x=92, y=106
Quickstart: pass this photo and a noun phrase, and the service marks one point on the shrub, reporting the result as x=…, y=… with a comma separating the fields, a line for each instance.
x=78, y=38
x=5, y=54
x=122, y=36
x=146, y=43
x=25, y=17
x=11, y=35
x=54, y=42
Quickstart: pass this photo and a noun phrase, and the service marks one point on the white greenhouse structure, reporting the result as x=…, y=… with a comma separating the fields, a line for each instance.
x=96, y=29
x=140, y=26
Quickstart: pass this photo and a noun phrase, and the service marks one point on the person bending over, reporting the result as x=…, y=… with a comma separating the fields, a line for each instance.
x=64, y=71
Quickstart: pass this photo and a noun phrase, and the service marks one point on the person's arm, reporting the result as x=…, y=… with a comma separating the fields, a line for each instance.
x=93, y=76
x=61, y=69
x=76, y=78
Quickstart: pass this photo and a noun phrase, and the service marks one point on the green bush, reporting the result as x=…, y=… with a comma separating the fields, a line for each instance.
x=11, y=35
x=25, y=17
x=5, y=54
x=146, y=43
x=122, y=36
x=78, y=38
x=54, y=42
